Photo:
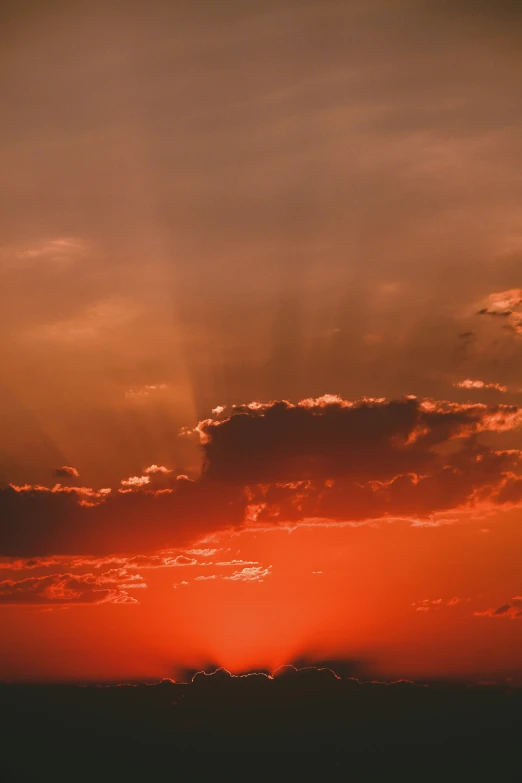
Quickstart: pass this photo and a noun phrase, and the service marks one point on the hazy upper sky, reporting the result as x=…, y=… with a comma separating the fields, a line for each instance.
x=243, y=201
x=212, y=203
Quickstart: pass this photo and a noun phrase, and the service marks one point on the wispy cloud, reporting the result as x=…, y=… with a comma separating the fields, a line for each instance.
x=506, y=305
x=108, y=587
x=469, y=384
x=247, y=574
x=512, y=610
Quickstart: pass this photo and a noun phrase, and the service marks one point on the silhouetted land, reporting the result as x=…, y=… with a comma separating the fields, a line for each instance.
x=129, y=732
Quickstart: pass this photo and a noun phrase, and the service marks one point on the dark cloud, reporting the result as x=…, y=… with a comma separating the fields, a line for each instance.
x=328, y=438
x=407, y=495
x=28, y=564
x=41, y=522
x=499, y=313
x=325, y=458
x=511, y=610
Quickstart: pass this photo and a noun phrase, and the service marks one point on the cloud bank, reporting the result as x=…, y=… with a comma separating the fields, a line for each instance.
x=325, y=458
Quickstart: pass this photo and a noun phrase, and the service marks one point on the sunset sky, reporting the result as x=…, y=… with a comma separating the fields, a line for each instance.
x=261, y=329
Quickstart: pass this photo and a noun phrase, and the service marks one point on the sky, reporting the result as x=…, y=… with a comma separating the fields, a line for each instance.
x=261, y=329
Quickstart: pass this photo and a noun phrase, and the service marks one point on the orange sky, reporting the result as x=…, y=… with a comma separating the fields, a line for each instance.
x=336, y=593
x=214, y=205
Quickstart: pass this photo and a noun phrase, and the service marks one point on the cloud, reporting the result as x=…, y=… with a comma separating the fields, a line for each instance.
x=66, y=471
x=181, y=560
x=237, y=562
x=157, y=469
x=426, y=604
x=436, y=603
x=28, y=564
x=249, y=574
x=59, y=251
x=144, y=392
x=508, y=305
x=135, y=481
x=469, y=384
x=407, y=495
x=254, y=573
x=161, y=560
x=511, y=610
x=329, y=437
x=155, y=476
x=85, y=496
x=269, y=463
x=37, y=521
x=502, y=303
x=110, y=587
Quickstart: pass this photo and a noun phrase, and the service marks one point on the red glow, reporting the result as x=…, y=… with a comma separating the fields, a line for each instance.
x=331, y=593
